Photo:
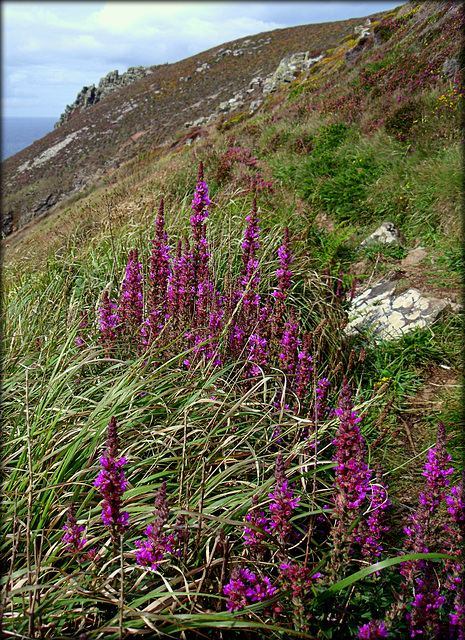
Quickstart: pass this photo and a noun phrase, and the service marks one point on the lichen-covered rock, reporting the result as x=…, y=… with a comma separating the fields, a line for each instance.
x=288, y=69
x=387, y=233
x=380, y=313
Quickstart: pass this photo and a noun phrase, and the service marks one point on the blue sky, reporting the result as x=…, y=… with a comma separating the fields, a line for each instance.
x=50, y=50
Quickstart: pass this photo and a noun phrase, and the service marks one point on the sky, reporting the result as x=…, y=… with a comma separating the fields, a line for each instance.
x=50, y=49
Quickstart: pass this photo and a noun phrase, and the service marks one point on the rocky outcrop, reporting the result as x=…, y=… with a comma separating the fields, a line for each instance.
x=382, y=312
x=362, y=31
x=288, y=69
x=107, y=85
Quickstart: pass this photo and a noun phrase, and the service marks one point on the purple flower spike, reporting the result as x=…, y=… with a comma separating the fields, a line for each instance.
x=436, y=472
x=132, y=304
x=159, y=275
x=151, y=551
x=281, y=293
x=352, y=473
x=290, y=345
x=283, y=503
x=250, y=244
x=72, y=537
x=109, y=321
x=379, y=503
x=283, y=273
x=112, y=484
x=256, y=540
x=199, y=206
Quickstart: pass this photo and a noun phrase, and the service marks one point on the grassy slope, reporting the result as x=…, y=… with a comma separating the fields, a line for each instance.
x=340, y=162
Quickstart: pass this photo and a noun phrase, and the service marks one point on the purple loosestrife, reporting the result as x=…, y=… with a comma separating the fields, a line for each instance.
x=265, y=328
x=374, y=526
x=290, y=345
x=132, y=304
x=216, y=323
x=109, y=321
x=304, y=369
x=250, y=243
x=73, y=535
x=351, y=480
x=281, y=293
x=299, y=579
x=200, y=255
x=423, y=532
x=151, y=551
x=159, y=271
x=455, y=546
x=283, y=503
x=321, y=410
x=424, y=618
x=256, y=540
x=257, y=355
x=180, y=283
x=244, y=588
x=249, y=292
x=352, y=473
x=112, y=484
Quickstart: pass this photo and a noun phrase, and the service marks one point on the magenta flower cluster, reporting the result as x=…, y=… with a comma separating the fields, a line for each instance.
x=180, y=307
x=111, y=483
x=151, y=551
x=245, y=588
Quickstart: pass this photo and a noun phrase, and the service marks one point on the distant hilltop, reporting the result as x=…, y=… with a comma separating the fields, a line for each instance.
x=91, y=95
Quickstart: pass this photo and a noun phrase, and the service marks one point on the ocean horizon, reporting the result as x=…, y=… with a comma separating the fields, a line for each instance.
x=18, y=133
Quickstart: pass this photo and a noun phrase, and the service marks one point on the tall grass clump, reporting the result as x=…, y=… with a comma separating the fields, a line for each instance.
x=185, y=452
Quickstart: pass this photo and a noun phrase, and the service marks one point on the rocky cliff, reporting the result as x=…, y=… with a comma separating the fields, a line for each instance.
x=106, y=86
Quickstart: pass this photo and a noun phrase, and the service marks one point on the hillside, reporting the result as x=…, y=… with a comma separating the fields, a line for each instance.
x=232, y=355
x=146, y=116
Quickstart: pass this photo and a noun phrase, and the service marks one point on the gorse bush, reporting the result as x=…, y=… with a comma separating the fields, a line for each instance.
x=206, y=395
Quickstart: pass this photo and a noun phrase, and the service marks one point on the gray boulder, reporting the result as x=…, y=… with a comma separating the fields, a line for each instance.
x=382, y=313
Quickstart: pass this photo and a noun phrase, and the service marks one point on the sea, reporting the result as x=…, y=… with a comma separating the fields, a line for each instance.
x=19, y=133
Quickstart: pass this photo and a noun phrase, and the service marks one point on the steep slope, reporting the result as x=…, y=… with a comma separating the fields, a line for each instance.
x=146, y=114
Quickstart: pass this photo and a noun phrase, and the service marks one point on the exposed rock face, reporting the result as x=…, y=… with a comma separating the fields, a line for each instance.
x=381, y=313
x=91, y=95
x=362, y=31
x=288, y=69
